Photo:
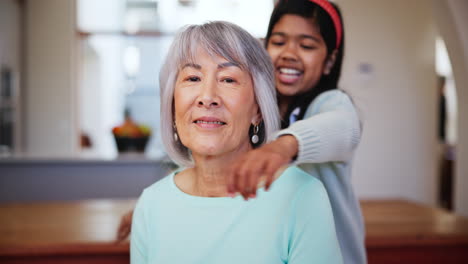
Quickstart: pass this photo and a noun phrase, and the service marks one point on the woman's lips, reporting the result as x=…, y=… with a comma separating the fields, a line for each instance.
x=209, y=122
x=288, y=75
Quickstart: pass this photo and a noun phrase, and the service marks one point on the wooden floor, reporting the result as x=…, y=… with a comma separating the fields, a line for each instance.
x=84, y=232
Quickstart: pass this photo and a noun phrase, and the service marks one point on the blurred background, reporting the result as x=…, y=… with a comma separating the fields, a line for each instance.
x=74, y=70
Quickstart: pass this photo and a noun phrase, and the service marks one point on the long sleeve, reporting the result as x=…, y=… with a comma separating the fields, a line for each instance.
x=138, y=239
x=330, y=130
x=313, y=237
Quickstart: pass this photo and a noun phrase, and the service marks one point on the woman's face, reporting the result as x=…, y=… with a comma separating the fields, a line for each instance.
x=214, y=106
x=299, y=54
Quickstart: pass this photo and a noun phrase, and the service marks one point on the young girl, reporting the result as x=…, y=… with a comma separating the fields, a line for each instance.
x=321, y=127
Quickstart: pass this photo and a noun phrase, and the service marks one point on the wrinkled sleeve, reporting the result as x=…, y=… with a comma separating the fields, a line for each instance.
x=331, y=131
x=138, y=237
x=312, y=235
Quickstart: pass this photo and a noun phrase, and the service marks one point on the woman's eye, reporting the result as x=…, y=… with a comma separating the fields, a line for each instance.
x=193, y=79
x=228, y=80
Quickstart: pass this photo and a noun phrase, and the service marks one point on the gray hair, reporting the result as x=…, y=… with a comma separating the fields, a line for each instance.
x=232, y=43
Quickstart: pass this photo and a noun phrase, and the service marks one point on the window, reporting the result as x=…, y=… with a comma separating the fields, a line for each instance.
x=123, y=45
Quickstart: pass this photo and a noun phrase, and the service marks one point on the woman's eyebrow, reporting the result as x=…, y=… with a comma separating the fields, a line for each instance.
x=228, y=64
x=192, y=65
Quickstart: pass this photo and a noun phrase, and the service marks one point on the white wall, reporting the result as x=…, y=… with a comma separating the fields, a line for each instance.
x=9, y=33
x=10, y=28
x=50, y=78
x=459, y=10
x=398, y=98
x=452, y=20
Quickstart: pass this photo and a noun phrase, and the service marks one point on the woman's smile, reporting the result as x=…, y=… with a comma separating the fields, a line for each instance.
x=209, y=122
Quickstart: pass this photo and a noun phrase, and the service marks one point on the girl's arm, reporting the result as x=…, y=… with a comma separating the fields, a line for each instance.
x=125, y=226
x=330, y=132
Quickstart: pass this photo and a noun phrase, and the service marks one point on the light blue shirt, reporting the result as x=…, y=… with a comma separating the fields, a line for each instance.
x=291, y=223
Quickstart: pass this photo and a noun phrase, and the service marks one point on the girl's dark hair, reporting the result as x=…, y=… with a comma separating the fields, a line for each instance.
x=310, y=10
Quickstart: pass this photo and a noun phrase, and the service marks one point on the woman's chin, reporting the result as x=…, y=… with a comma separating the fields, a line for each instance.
x=207, y=150
x=215, y=150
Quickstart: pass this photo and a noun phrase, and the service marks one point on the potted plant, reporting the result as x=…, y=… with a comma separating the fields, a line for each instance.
x=130, y=136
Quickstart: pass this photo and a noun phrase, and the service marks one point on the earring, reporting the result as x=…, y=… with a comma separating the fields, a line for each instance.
x=328, y=67
x=255, y=136
x=176, y=138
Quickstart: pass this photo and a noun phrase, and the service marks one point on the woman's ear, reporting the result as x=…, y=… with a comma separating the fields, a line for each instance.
x=330, y=62
x=257, y=118
x=256, y=121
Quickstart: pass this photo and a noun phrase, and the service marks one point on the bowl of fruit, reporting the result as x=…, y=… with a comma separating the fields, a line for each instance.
x=130, y=136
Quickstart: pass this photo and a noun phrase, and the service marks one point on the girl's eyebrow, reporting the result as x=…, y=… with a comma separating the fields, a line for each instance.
x=302, y=36
x=279, y=34
x=309, y=37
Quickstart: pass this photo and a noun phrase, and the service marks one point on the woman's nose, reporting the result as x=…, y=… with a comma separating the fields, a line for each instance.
x=208, y=96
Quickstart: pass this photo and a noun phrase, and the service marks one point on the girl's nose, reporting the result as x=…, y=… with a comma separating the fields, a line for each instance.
x=289, y=52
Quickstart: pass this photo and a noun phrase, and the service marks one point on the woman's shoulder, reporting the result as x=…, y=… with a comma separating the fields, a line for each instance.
x=298, y=182
x=160, y=187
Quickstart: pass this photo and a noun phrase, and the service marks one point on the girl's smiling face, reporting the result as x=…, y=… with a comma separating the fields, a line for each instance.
x=299, y=54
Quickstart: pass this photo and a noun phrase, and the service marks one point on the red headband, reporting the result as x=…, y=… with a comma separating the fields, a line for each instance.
x=330, y=9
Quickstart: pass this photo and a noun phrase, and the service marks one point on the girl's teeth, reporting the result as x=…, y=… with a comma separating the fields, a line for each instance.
x=289, y=71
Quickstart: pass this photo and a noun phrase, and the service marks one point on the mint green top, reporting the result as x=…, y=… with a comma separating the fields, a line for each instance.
x=291, y=223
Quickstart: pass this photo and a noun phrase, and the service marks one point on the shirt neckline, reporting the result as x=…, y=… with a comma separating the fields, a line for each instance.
x=202, y=199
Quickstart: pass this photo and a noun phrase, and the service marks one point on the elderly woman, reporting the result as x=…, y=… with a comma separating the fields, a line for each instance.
x=218, y=102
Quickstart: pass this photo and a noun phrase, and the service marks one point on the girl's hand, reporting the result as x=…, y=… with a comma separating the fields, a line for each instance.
x=260, y=166
x=125, y=226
